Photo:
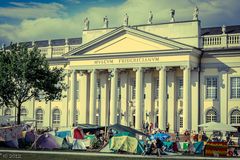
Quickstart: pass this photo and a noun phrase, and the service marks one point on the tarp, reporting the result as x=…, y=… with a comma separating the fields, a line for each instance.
x=121, y=128
x=215, y=126
x=161, y=136
x=89, y=128
x=47, y=141
x=30, y=137
x=63, y=134
x=126, y=143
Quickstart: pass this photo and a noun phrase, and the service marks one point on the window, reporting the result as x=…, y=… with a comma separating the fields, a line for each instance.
x=181, y=119
x=235, y=117
x=156, y=86
x=76, y=116
x=211, y=87
x=211, y=116
x=56, y=116
x=23, y=112
x=39, y=116
x=119, y=89
x=77, y=89
x=235, y=87
x=97, y=119
x=180, y=88
x=133, y=88
x=7, y=112
x=98, y=89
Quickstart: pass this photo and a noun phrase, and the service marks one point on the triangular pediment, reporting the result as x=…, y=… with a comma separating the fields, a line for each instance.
x=126, y=40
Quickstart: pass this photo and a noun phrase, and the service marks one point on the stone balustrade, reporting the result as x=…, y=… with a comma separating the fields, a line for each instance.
x=221, y=41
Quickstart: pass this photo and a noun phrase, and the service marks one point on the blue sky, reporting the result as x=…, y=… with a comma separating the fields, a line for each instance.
x=27, y=20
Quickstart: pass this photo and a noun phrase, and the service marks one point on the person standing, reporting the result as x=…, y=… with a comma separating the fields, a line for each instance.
x=159, y=145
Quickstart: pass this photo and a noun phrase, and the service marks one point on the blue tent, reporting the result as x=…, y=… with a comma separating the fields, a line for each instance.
x=161, y=136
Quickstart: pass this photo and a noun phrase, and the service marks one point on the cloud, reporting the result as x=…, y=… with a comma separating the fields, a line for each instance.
x=212, y=13
x=74, y=1
x=26, y=10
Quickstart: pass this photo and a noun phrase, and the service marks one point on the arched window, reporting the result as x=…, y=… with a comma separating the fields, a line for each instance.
x=39, y=116
x=97, y=119
x=7, y=112
x=76, y=116
x=211, y=116
x=235, y=117
x=23, y=112
x=181, y=118
x=56, y=117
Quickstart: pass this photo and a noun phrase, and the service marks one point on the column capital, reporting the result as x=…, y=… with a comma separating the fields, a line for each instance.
x=92, y=70
x=82, y=72
x=137, y=69
x=186, y=67
x=161, y=68
x=111, y=70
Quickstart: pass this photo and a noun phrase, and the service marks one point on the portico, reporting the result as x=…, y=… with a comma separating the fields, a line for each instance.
x=118, y=76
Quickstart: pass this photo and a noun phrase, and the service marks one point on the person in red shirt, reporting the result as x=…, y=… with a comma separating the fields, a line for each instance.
x=78, y=133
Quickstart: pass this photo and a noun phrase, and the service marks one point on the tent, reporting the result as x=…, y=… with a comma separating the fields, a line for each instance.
x=121, y=128
x=124, y=142
x=63, y=134
x=214, y=126
x=78, y=145
x=161, y=136
x=47, y=141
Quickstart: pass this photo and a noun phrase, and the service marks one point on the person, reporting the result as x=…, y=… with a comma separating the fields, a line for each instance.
x=167, y=128
x=110, y=133
x=190, y=147
x=146, y=126
x=159, y=145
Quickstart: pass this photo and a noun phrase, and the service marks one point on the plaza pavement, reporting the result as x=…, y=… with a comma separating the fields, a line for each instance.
x=63, y=155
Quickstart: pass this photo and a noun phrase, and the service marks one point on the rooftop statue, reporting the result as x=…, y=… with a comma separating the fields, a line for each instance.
x=86, y=24
x=172, y=14
x=125, y=23
x=150, y=18
x=195, y=13
x=105, y=21
x=223, y=29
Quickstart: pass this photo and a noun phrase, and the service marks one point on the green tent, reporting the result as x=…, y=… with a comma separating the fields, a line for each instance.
x=126, y=142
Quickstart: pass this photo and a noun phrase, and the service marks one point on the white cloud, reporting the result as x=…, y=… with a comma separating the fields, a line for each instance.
x=212, y=12
x=24, y=10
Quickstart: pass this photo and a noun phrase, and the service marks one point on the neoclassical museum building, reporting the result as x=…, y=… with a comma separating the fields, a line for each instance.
x=176, y=73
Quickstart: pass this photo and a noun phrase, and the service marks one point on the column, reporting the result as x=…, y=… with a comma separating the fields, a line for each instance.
x=223, y=96
x=162, y=98
x=171, y=101
x=186, y=97
x=83, y=118
x=104, y=99
x=139, y=98
x=149, y=96
x=73, y=98
x=124, y=98
x=195, y=99
x=113, y=100
x=93, y=91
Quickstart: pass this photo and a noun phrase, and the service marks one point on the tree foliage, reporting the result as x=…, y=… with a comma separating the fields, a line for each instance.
x=26, y=74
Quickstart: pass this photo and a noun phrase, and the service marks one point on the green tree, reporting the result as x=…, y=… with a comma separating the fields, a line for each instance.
x=26, y=74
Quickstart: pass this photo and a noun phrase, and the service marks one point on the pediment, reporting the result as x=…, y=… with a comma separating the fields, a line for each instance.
x=126, y=40
x=128, y=43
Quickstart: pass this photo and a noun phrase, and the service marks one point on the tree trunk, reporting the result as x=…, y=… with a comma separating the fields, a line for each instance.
x=18, y=115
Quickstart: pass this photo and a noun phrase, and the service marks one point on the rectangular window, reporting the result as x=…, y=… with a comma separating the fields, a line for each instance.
x=211, y=87
x=235, y=87
x=119, y=89
x=156, y=88
x=98, y=89
x=180, y=88
x=133, y=82
x=77, y=89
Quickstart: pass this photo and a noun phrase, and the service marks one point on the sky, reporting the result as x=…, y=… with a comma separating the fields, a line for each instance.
x=28, y=20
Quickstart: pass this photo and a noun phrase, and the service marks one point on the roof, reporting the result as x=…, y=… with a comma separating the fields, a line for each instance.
x=218, y=30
